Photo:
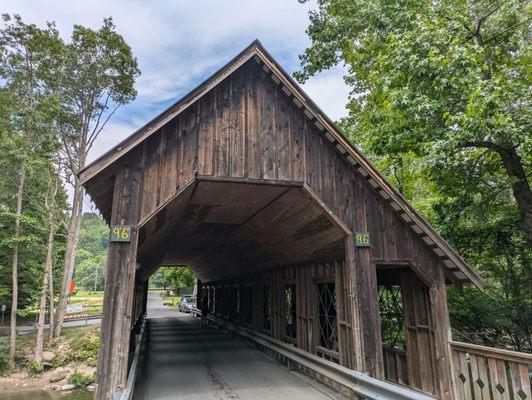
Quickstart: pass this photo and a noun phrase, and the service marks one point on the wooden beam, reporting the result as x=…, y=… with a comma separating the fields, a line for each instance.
x=119, y=283
x=442, y=338
x=334, y=218
x=365, y=310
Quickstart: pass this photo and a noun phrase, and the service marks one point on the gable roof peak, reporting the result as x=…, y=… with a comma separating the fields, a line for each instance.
x=456, y=268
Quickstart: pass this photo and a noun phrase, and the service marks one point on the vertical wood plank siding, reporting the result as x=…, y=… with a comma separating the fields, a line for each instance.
x=304, y=277
x=247, y=127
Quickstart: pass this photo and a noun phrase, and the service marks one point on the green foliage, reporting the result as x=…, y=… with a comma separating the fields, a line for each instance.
x=441, y=104
x=180, y=279
x=488, y=319
x=55, y=98
x=85, y=349
x=91, y=253
x=34, y=369
x=80, y=380
x=98, y=71
x=5, y=369
x=28, y=136
x=60, y=361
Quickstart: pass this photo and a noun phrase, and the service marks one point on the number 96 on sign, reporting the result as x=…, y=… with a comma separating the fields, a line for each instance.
x=362, y=239
x=120, y=233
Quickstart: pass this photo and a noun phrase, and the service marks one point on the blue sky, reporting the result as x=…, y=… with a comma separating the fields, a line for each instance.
x=180, y=43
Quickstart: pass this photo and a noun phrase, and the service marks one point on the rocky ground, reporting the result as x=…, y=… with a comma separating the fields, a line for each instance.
x=75, y=353
x=52, y=380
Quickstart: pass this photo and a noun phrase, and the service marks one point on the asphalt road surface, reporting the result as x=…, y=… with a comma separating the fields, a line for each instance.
x=188, y=362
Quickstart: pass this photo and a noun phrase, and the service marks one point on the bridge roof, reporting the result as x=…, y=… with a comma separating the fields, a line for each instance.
x=451, y=260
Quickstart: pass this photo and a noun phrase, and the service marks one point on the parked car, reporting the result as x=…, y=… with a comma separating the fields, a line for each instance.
x=187, y=304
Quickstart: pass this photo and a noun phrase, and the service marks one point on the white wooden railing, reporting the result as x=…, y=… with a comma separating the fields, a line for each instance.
x=485, y=373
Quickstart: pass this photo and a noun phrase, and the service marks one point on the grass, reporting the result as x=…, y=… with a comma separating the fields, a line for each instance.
x=93, y=300
x=172, y=301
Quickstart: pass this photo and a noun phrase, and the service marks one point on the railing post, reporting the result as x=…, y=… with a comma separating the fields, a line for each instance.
x=442, y=338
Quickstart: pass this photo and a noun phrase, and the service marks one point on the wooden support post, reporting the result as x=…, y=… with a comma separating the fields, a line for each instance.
x=365, y=319
x=119, y=283
x=145, y=297
x=199, y=294
x=442, y=337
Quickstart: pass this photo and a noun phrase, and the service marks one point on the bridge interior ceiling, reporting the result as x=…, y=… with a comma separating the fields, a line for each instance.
x=224, y=229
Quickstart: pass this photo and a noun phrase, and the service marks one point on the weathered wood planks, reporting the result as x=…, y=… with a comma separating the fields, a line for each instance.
x=119, y=282
x=482, y=373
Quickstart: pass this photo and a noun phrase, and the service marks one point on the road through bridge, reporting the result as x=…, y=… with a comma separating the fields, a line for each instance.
x=187, y=362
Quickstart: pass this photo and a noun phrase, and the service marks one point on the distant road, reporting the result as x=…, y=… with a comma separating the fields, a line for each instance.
x=156, y=309
x=22, y=330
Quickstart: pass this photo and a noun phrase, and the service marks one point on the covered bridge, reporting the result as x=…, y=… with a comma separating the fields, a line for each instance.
x=290, y=231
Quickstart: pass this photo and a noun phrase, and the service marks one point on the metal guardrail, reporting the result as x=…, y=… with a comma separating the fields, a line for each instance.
x=361, y=384
x=127, y=393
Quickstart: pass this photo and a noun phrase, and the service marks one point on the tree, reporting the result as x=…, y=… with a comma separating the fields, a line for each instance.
x=50, y=207
x=441, y=102
x=25, y=58
x=91, y=254
x=98, y=76
x=449, y=77
x=180, y=279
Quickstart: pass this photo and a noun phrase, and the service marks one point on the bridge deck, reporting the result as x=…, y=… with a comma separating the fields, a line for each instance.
x=188, y=362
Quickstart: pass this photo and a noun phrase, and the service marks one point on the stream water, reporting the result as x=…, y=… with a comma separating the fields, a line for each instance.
x=41, y=395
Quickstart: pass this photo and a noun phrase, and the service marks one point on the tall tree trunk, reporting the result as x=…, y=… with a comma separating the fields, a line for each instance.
x=70, y=255
x=42, y=305
x=52, y=302
x=14, y=301
x=46, y=277
x=96, y=279
x=520, y=187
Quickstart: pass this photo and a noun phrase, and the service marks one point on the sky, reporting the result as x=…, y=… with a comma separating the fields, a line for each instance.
x=180, y=43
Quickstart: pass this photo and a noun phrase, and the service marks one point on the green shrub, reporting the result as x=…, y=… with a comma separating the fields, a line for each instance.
x=85, y=349
x=80, y=380
x=33, y=368
x=5, y=368
x=60, y=361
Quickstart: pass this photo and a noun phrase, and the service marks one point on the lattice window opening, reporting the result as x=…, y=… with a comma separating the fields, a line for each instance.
x=266, y=308
x=247, y=306
x=236, y=303
x=290, y=311
x=217, y=300
x=327, y=320
x=391, y=312
x=227, y=304
x=210, y=295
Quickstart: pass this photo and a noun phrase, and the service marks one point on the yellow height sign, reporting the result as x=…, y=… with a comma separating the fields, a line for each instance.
x=120, y=233
x=362, y=239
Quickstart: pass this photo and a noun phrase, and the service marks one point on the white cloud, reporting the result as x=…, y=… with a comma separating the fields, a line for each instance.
x=113, y=133
x=329, y=92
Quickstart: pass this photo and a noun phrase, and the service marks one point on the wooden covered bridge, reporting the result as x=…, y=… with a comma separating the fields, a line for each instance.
x=293, y=236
